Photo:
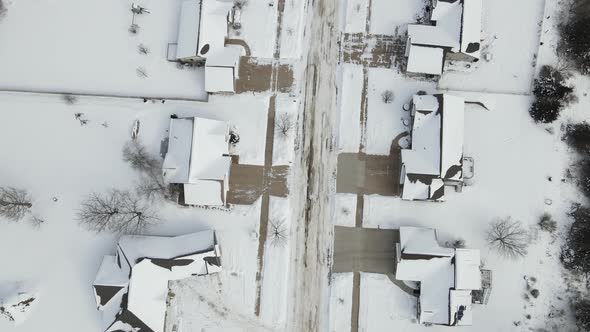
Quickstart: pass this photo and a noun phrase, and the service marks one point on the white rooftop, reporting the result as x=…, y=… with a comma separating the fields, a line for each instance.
x=471, y=31
x=198, y=157
x=202, y=27
x=425, y=60
x=436, y=152
x=148, y=264
x=439, y=270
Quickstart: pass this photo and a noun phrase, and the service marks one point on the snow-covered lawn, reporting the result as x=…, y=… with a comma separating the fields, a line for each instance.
x=292, y=28
x=340, y=302
x=355, y=20
x=285, y=117
x=511, y=35
x=387, y=15
x=349, y=106
x=275, y=277
x=50, y=154
x=84, y=46
x=385, y=121
x=344, y=213
x=259, y=27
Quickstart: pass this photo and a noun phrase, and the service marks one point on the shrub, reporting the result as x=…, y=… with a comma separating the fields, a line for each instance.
x=387, y=96
x=575, y=254
x=551, y=95
x=582, y=313
x=547, y=223
x=575, y=41
x=578, y=136
x=535, y=293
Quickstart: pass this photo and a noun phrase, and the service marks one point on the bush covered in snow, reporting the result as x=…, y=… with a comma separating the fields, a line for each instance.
x=575, y=40
x=582, y=313
x=578, y=136
x=551, y=95
x=16, y=305
x=575, y=254
x=547, y=223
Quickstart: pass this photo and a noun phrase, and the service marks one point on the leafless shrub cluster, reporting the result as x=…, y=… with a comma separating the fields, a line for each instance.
x=142, y=72
x=69, y=99
x=508, y=237
x=284, y=125
x=118, y=212
x=278, y=233
x=151, y=184
x=14, y=203
x=143, y=49
x=547, y=223
x=387, y=96
x=2, y=8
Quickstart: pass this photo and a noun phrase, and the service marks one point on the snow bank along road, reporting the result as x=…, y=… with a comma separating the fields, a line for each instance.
x=310, y=273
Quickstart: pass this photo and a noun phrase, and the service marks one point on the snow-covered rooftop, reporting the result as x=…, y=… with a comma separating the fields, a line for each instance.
x=149, y=263
x=221, y=70
x=457, y=28
x=198, y=157
x=425, y=60
x=202, y=27
x=467, y=273
x=437, y=146
x=471, y=30
x=439, y=270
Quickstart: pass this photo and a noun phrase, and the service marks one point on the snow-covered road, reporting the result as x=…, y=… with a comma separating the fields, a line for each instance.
x=313, y=235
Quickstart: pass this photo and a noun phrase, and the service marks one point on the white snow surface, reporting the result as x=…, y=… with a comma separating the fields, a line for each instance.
x=389, y=17
x=344, y=209
x=349, y=106
x=18, y=300
x=45, y=127
x=81, y=52
x=340, y=302
x=259, y=21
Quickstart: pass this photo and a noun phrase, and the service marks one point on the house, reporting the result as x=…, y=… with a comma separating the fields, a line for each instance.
x=198, y=160
x=131, y=287
x=435, y=158
x=202, y=32
x=445, y=277
x=454, y=34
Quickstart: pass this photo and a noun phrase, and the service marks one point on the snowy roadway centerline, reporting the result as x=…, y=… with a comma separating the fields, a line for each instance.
x=312, y=252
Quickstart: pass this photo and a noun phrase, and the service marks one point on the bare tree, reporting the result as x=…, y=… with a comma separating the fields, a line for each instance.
x=284, y=124
x=37, y=221
x=117, y=212
x=387, y=96
x=14, y=203
x=508, y=237
x=278, y=233
x=141, y=72
x=143, y=49
x=152, y=183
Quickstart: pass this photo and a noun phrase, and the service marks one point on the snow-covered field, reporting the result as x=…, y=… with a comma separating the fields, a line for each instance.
x=59, y=161
x=84, y=46
x=344, y=210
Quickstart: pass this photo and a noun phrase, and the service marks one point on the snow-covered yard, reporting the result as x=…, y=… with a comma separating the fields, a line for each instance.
x=510, y=35
x=519, y=167
x=385, y=121
x=84, y=46
x=59, y=161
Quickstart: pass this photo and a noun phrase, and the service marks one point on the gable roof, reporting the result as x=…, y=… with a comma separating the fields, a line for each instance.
x=471, y=28
x=198, y=157
x=148, y=263
x=439, y=270
x=202, y=27
x=436, y=154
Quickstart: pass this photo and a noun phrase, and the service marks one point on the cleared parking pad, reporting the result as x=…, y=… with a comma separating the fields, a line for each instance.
x=364, y=249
